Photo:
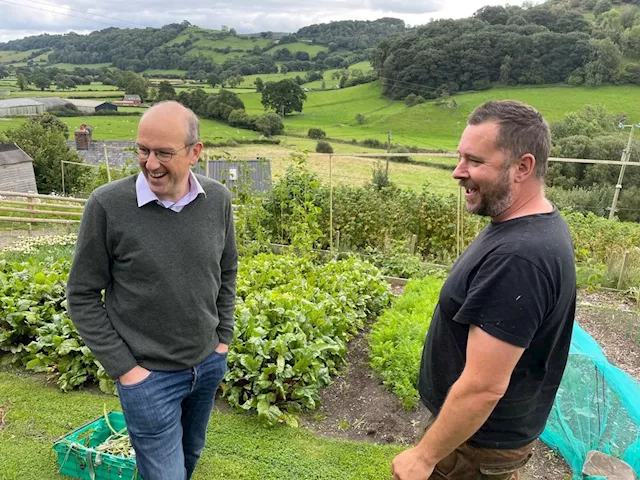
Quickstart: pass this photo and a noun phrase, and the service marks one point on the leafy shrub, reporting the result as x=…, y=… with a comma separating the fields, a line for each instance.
x=413, y=99
x=316, y=133
x=35, y=328
x=293, y=321
x=269, y=124
x=324, y=147
x=398, y=335
x=373, y=143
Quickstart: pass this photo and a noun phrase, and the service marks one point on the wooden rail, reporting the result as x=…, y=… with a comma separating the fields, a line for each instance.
x=37, y=211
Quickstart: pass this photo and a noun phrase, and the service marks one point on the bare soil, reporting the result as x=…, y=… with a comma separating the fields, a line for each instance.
x=358, y=407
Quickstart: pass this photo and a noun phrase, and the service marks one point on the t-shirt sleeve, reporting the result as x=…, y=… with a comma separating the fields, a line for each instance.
x=508, y=298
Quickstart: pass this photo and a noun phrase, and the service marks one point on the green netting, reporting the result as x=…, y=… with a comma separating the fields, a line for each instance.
x=597, y=408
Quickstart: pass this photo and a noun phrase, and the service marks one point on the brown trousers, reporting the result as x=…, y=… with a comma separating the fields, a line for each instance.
x=470, y=463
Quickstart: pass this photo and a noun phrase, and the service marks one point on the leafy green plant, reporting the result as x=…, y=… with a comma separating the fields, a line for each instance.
x=293, y=321
x=398, y=335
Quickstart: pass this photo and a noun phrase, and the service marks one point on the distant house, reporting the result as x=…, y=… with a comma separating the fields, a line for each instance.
x=92, y=106
x=16, y=170
x=129, y=101
x=21, y=106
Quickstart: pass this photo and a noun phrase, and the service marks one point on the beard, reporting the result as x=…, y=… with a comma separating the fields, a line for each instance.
x=494, y=199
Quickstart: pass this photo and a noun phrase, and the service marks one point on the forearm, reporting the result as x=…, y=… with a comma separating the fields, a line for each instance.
x=465, y=410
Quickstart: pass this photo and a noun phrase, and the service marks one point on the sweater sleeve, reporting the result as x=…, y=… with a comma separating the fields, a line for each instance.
x=90, y=274
x=229, y=271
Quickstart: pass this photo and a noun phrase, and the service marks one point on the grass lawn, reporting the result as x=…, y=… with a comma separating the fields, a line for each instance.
x=96, y=86
x=155, y=71
x=238, y=446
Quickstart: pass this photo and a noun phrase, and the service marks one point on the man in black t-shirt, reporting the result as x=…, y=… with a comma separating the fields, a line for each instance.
x=500, y=334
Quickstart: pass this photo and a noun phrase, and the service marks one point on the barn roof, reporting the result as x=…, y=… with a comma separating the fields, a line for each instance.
x=52, y=102
x=11, y=154
x=132, y=97
x=19, y=102
x=86, y=103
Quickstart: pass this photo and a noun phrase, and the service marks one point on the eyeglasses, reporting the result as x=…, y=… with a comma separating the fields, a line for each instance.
x=162, y=155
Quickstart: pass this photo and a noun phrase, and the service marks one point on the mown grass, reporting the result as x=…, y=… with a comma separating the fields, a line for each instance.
x=238, y=446
x=72, y=66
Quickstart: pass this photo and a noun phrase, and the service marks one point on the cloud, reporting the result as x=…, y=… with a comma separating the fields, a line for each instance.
x=29, y=17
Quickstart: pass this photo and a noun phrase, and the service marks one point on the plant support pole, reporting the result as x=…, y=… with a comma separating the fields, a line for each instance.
x=330, y=206
x=625, y=158
x=106, y=160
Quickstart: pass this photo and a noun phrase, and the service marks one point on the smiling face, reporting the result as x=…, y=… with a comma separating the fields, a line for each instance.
x=484, y=171
x=164, y=128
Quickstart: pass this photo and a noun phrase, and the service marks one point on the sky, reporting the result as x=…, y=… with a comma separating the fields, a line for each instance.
x=20, y=18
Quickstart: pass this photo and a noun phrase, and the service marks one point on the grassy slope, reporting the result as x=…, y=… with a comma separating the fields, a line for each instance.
x=248, y=81
x=237, y=446
x=428, y=125
x=7, y=56
x=71, y=66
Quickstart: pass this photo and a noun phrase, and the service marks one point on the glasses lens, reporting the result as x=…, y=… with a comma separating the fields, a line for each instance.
x=164, y=156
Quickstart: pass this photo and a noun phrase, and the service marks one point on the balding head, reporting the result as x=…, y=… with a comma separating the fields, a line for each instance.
x=173, y=109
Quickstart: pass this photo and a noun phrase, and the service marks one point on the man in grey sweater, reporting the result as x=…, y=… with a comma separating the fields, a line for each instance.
x=161, y=245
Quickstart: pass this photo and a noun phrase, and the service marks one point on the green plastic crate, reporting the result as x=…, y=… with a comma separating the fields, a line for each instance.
x=79, y=461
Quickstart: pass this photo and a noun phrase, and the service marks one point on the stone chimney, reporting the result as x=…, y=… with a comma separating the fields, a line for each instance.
x=83, y=137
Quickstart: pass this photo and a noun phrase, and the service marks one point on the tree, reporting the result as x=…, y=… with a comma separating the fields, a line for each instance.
x=234, y=81
x=134, y=84
x=22, y=81
x=166, y=91
x=269, y=124
x=360, y=119
x=505, y=69
x=46, y=145
x=284, y=97
x=259, y=85
x=41, y=81
x=3, y=72
x=214, y=79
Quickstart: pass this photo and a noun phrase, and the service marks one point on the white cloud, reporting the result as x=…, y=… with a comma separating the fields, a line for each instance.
x=35, y=17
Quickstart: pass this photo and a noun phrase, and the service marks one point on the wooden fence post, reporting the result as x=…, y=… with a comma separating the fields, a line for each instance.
x=623, y=268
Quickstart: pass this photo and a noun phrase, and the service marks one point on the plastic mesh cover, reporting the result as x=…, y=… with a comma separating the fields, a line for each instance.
x=597, y=408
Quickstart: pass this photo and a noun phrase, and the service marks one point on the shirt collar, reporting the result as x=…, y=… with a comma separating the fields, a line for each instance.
x=144, y=194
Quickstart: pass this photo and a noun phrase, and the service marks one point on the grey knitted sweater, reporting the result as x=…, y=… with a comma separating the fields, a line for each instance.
x=169, y=278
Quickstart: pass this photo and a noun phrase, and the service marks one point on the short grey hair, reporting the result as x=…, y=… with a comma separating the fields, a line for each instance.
x=521, y=130
x=192, y=127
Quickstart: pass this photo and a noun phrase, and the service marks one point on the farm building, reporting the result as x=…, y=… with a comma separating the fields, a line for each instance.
x=16, y=170
x=129, y=101
x=253, y=175
x=92, y=106
x=20, y=106
x=52, y=103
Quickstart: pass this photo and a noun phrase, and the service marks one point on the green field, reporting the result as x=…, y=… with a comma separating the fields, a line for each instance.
x=97, y=86
x=124, y=128
x=104, y=95
x=248, y=81
x=238, y=446
x=312, y=50
x=431, y=126
x=72, y=66
x=155, y=71
x=7, y=56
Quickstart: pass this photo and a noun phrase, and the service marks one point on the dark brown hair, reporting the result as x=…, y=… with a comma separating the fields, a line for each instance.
x=521, y=130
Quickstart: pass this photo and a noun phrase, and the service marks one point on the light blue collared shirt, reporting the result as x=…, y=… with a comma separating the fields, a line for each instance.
x=145, y=195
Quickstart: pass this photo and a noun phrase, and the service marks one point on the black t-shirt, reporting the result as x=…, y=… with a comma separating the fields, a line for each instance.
x=517, y=282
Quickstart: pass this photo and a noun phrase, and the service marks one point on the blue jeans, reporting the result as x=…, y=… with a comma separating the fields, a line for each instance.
x=167, y=415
